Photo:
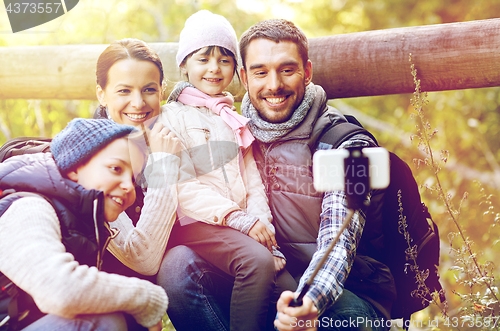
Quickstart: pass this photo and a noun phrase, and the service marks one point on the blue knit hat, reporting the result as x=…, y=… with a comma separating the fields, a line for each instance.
x=82, y=138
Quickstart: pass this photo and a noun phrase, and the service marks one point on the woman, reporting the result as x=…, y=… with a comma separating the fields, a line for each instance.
x=130, y=88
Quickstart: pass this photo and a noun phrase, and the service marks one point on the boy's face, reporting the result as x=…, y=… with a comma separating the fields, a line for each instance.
x=112, y=170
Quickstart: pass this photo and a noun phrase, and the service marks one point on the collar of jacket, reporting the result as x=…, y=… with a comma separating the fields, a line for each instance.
x=305, y=128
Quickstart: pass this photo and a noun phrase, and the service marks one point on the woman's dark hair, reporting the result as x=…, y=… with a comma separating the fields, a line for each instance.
x=123, y=49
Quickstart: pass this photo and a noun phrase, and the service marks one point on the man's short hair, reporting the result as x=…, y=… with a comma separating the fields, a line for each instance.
x=276, y=30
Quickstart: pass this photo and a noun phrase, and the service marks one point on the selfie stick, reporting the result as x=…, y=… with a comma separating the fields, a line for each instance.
x=297, y=302
x=354, y=200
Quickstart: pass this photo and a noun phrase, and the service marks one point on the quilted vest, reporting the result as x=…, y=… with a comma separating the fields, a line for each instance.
x=286, y=170
x=73, y=204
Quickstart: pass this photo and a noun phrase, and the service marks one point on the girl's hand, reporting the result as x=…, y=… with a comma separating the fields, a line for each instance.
x=263, y=235
x=162, y=140
x=295, y=318
x=279, y=263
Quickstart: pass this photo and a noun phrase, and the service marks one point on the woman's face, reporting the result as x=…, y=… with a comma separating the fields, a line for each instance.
x=133, y=92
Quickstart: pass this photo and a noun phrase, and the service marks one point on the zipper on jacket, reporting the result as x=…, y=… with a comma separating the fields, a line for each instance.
x=269, y=174
x=274, y=179
x=229, y=193
x=207, y=139
x=99, y=257
x=226, y=179
x=100, y=251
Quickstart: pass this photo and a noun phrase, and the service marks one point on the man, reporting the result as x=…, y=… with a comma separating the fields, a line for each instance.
x=287, y=116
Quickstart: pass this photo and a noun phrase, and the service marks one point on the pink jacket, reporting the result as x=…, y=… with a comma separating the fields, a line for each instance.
x=216, y=176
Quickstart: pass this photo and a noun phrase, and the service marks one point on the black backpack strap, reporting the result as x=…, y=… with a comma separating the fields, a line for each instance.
x=24, y=145
x=336, y=134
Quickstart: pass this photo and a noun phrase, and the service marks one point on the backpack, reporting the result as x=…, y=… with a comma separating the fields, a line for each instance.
x=17, y=308
x=24, y=145
x=423, y=232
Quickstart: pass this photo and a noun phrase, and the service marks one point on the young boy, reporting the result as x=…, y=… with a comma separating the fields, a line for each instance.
x=51, y=246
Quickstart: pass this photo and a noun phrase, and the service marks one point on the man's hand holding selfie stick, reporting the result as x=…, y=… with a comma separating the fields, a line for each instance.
x=295, y=312
x=299, y=312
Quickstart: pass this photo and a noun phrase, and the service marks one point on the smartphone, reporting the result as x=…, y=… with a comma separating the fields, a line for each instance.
x=330, y=170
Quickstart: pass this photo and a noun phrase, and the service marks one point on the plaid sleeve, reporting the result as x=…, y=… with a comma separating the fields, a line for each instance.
x=329, y=282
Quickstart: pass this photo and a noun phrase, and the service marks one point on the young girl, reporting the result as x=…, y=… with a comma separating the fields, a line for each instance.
x=223, y=210
x=51, y=247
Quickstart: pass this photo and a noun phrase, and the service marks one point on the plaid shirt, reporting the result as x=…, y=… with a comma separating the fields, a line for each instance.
x=329, y=282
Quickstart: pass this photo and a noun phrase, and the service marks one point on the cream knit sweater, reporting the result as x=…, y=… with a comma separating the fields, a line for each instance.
x=34, y=258
x=142, y=247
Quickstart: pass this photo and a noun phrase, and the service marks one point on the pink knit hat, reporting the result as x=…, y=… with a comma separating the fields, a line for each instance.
x=204, y=29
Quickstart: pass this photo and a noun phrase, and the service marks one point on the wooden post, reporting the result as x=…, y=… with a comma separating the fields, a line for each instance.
x=447, y=57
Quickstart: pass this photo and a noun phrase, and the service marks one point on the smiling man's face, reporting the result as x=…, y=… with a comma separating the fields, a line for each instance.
x=275, y=78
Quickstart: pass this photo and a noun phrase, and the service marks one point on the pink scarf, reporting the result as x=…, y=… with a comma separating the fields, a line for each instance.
x=221, y=106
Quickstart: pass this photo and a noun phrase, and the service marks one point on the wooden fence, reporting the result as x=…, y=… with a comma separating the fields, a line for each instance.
x=447, y=57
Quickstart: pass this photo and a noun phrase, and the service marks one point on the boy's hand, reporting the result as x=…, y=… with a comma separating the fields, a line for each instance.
x=157, y=327
x=279, y=263
x=263, y=235
x=295, y=318
x=162, y=140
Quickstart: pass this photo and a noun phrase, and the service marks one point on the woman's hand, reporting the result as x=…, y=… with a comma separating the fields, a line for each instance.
x=162, y=140
x=296, y=318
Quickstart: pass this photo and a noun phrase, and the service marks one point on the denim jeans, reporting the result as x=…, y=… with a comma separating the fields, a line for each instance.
x=351, y=312
x=200, y=294
x=249, y=263
x=104, y=322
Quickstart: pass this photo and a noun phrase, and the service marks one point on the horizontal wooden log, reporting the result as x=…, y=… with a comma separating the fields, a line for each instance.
x=62, y=72
x=447, y=57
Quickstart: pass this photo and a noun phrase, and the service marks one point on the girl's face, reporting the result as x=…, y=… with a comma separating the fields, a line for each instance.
x=210, y=73
x=133, y=92
x=112, y=170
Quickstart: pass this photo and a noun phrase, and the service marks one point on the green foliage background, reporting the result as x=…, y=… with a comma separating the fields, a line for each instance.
x=467, y=121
